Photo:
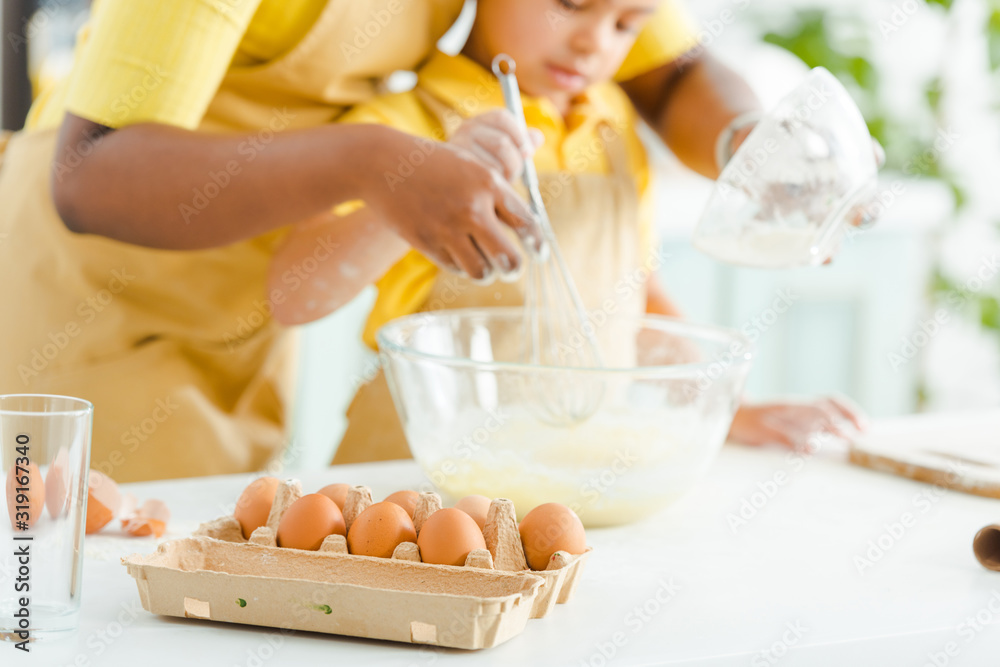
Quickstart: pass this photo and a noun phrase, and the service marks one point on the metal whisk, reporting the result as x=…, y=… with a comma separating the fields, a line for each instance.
x=557, y=331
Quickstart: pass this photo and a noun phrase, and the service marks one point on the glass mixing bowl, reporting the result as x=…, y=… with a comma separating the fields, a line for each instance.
x=667, y=396
x=805, y=169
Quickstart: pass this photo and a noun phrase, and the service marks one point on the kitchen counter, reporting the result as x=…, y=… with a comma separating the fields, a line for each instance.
x=775, y=558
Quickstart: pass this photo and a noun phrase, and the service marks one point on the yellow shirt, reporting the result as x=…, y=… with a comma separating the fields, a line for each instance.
x=572, y=144
x=163, y=60
x=130, y=69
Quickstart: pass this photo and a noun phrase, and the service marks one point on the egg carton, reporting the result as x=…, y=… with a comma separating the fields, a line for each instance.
x=219, y=575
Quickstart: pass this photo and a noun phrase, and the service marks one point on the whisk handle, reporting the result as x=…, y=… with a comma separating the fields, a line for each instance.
x=503, y=68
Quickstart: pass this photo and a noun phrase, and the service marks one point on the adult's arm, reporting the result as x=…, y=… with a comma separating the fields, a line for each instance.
x=167, y=187
x=130, y=167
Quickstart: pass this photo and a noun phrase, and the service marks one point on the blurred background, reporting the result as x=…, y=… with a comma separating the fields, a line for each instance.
x=906, y=319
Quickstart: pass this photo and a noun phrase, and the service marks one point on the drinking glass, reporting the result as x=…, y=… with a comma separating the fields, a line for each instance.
x=45, y=456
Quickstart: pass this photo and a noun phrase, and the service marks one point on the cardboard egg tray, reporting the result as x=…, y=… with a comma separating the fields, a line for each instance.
x=218, y=575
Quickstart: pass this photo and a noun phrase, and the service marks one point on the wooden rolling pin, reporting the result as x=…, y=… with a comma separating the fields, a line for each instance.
x=986, y=546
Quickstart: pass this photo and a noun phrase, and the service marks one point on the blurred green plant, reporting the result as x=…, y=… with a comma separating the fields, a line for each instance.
x=814, y=35
x=993, y=35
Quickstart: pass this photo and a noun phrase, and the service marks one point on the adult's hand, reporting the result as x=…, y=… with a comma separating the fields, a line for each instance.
x=454, y=205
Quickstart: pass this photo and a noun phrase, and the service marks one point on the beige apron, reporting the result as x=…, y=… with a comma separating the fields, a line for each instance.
x=188, y=373
x=596, y=221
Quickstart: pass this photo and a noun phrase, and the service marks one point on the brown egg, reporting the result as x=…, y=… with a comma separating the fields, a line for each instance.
x=447, y=537
x=308, y=521
x=33, y=498
x=550, y=528
x=475, y=506
x=405, y=499
x=57, y=484
x=103, y=500
x=254, y=504
x=379, y=530
x=337, y=493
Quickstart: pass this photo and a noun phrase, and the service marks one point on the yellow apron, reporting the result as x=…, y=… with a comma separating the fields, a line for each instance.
x=596, y=220
x=188, y=373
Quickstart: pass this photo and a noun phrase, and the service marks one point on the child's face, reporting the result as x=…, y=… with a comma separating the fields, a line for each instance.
x=560, y=46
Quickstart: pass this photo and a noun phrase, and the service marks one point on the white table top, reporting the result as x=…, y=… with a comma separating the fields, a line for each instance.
x=680, y=588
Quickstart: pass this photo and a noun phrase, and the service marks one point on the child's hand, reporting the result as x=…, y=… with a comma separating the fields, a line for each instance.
x=865, y=214
x=494, y=138
x=795, y=424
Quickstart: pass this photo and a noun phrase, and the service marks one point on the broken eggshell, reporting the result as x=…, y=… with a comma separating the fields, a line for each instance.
x=150, y=519
x=103, y=500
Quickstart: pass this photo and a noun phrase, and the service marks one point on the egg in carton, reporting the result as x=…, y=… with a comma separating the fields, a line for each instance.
x=218, y=574
x=504, y=551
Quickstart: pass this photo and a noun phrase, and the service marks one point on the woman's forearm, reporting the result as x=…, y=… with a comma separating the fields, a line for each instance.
x=165, y=187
